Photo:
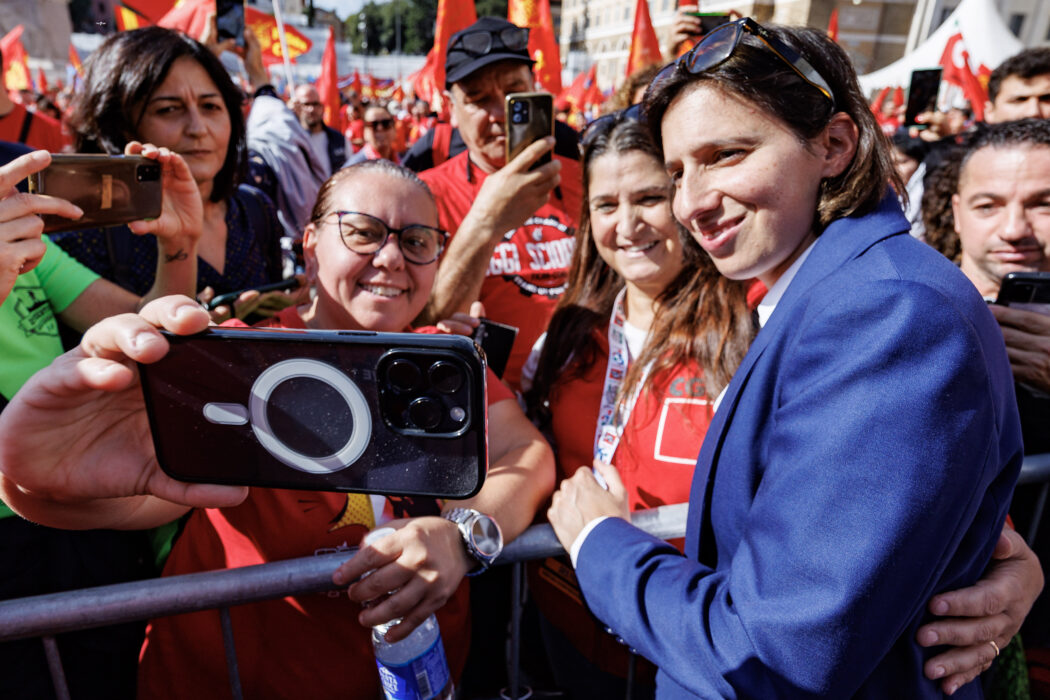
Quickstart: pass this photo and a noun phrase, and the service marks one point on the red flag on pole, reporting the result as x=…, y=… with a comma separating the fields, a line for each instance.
x=327, y=82
x=645, y=47
x=41, y=81
x=833, y=25
x=189, y=16
x=956, y=63
x=452, y=15
x=16, y=60
x=543, y=46
x=74, y=60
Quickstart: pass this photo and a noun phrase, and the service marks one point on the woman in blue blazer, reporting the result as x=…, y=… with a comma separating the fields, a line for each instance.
x=863, y=457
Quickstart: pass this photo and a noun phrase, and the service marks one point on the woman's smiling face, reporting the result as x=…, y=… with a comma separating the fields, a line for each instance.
x=745, y=185
x=379, y=292
x=629, y=202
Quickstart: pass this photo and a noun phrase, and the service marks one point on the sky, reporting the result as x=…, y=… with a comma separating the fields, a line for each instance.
x=342, y=8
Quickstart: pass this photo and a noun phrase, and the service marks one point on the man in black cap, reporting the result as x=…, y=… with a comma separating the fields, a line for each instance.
x=512, y=227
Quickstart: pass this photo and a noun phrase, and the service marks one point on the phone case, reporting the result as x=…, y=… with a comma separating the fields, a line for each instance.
x=387, y=413
x=1025, y=290
x=529, y=117
x=110, y=190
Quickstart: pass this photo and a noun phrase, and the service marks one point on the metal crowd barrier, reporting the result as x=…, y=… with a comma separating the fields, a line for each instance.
x=48, y=615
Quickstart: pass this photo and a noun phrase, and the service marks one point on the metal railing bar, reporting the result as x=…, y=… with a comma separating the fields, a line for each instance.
x=56, y=613
x=1035, y=469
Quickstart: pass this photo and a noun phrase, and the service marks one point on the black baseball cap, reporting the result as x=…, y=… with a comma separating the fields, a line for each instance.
x=488, y=40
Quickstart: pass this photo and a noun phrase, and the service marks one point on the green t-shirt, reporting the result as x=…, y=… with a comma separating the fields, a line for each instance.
x=28, y=330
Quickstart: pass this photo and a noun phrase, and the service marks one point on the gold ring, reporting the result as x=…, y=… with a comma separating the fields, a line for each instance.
x=994, y=646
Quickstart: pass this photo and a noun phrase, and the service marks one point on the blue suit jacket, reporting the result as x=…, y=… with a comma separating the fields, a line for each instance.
x=862, y=460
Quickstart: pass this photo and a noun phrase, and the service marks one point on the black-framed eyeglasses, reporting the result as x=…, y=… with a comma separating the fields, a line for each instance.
x=365, y=234
x=602, y=124
x=481, y=42
x=721, y=42
x=381, y=124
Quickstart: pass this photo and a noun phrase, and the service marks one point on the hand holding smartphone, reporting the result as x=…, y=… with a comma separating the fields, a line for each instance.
x=387, y=413
x=1028, y=291
x=529, y=117
x=110, y=190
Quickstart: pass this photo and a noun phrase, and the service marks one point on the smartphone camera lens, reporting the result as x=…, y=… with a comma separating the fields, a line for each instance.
x=425, y=413
x=457, y=414
x=404, y=375
x=147, y=173
x=445, y=377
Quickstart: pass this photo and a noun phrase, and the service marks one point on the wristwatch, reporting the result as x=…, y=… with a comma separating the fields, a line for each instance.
x=481, y=536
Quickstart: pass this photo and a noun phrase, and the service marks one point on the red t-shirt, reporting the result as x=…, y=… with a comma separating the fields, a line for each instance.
x=44, y=132
x=529, y=268
x=306, y=646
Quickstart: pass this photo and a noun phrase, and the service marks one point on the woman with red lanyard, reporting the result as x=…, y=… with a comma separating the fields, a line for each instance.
x=639, y=348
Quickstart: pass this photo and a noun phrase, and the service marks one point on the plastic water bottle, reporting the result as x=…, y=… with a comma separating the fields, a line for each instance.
x=414, y=668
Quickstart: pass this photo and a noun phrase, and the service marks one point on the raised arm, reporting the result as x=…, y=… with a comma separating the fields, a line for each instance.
x=75, y=446
x=508, y=197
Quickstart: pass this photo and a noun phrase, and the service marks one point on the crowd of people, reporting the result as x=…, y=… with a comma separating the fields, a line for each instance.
x=717, y=302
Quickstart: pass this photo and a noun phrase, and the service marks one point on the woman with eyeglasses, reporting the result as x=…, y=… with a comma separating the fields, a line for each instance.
x=862, y=457
x=371, y=250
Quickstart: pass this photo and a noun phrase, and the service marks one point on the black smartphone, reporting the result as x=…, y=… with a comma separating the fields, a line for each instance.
x=358, y=411
x=230, y=297
x=229, y=19
x=1029, y=291
x=922, y=93
x=529, y=117
x=111, y=190
x=710, y=20
x=496, y=340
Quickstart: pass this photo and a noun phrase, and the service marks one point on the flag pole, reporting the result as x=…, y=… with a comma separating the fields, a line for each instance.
x=284, y=46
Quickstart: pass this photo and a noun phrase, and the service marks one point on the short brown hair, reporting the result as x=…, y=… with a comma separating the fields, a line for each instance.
x=756, y=74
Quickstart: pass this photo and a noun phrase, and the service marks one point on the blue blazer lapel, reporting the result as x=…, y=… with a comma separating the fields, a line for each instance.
x=837, y=244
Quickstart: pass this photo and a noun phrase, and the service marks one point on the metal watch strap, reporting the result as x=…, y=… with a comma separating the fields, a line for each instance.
x=459, y=517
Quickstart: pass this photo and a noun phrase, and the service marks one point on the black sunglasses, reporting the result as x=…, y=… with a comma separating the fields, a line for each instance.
x=380, y=123
x=481, y=43
x=604, y=123
x=721, y=42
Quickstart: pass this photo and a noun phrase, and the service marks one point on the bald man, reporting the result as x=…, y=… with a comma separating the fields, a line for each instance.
x=306, y=103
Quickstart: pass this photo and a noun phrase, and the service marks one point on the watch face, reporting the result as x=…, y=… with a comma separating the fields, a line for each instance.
x=486, y=536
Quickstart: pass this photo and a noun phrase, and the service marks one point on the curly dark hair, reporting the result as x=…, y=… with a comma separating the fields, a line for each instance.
x=124, y=71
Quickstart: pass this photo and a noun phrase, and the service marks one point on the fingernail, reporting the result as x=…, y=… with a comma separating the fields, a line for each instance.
x=183, y=309
x=928, y=637
x=141, y=340
x=938, y=671
x=940, y=607
x=952, y=688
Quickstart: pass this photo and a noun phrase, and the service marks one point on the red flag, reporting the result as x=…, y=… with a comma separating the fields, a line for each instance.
x=645, y=47
x=592, y=94
x=574, y=93
x=327, y=82
x=149, y=10
x=189, y=16
x=41, y=81
x=74, y=59
x=876, y=104
x=956, y=63
x=543, y=47
x=355, y=84
x=898, y=97
x=833, y=25
x=16, y=60
x=452, y=15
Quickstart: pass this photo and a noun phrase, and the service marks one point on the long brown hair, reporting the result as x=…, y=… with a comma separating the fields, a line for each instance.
x=701, y=316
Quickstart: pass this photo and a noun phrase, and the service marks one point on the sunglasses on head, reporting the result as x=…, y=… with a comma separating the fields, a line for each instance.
x=481, y=43
x=604, y=123
x=380, y=123
x=721, y=42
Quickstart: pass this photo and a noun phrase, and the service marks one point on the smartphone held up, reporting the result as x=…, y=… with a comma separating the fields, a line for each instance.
x=360, y=411
x=529, y=118
x=110, y=190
